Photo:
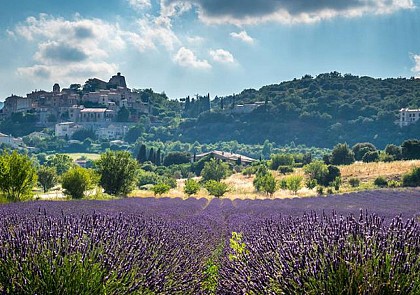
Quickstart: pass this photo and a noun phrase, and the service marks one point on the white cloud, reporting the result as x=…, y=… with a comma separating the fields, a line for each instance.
x=416, y=68
x=140, y=4
x=243, y=36
x=252, y=12
x=186, y=58
x=222, y=56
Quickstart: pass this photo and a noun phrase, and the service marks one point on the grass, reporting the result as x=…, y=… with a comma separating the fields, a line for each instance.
x=89, y=156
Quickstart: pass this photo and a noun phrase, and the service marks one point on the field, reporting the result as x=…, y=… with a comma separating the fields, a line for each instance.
x=88, y=156
x=366, y=243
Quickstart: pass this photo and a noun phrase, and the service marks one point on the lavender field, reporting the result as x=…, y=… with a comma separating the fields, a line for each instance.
x=363, y=243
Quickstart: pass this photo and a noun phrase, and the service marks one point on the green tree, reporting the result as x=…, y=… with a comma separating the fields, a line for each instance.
x=316, y=170
x=394, y=151
x=281, y=160
x=214, y=170
x=294, y=183
x=410, y=149
x=175, y=158
x=265, y=182
x=61, y=162
x=216, y=188
x=77, y=181
x=371, y=156
x=342, y=155
x=17, y=176
x=142, y=155
x=47, y=177
x=118, y=172
x=123, y=115
x=191, y=187
x=160, y=189
x=361, y=148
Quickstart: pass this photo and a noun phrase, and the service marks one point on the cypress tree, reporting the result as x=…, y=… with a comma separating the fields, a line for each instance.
x=152, y=155
x=141, y=156
x=158, y=157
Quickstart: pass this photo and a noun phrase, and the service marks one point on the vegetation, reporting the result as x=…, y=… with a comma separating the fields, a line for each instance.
x=47, y=177
x=77, y=181
x=118, y=172
x=412, y=178
x=342, y=155
x=17, y=176
x=61, y=162
x=160, y=189
x=191, y=187
x=294, y=183
x=216, y=188
x=214, y=170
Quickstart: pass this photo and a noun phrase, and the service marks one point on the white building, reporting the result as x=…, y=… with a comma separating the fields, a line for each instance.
x=408, y=116
x=10, y=140
x=66, y=129
x=112, y=132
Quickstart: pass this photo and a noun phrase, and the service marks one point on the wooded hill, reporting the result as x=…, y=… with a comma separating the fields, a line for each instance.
x=320, y=111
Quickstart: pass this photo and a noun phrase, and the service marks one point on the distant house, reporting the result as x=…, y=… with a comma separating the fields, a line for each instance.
x=66, y=129
x=408, y=116
x=226, y=157
x=246, y=108
x=10, y=140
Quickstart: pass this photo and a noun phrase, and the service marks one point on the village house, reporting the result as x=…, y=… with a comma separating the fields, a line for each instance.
x=226, y=157
x=10, y=140
x=66, y=129
x=408, y=116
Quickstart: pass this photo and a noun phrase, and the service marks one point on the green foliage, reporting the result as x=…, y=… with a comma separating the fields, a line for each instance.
x=320, y=190
x=354, y=182
x=146, y=177
x=412, y=179
x=215, y=170
x=294, y=182
x=160, y=188
x=61, y=162
x=77, y=181
x=371, y=156
x=285, y=169
x=17, y=176
x=394, y=183
x=394, y=151
x=410, y=149
x=211, y=271
x=265, y=183
x=311, y=183
x=316, y=170
x=47, y=177
x=336, y=183
x=216, y=188
x=380, y=181
x=83, y=134
x=175, y=158
x=281, y=160
x=118, y=172
x=191, y=187
x=237, y=247
x=123, y=115
x=342, y=155
x=360, y=149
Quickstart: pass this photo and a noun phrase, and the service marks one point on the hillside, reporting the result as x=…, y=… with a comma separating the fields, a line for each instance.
x=318, y=111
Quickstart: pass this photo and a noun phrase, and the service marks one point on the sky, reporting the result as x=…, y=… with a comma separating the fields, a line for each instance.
x=188, y=47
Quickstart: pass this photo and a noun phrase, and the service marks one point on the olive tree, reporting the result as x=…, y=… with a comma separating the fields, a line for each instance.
x=118, y=172
x=17, y=176
x=47, y=177
x=77, y=181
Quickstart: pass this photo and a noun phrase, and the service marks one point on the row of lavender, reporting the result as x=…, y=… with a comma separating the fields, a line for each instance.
x=165, y=246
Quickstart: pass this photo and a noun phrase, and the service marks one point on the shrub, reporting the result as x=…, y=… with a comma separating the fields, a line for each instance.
x=191, y=187
x=342, y=155
x=146, y=177
x=354, y=182
x=320, y=190
x=214, y=170
x=118, y=172
x=160, y=188
x=216, y=188
x=77, y=181
x=380, y=181
x=371, y=156
x=394, y=183
x=311, y=183
x=285, y=169
x=412, y=179
x=336, y=183
x=265, y=183
x=281, y=160
x=17, y=176
x=360, y=149
x=177, y=158
x=294, y=183
x=47, y=177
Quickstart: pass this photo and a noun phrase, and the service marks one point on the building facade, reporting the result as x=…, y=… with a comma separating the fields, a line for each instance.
x=408, y=116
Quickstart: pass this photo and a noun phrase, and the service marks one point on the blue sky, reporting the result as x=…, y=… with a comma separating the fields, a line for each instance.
x=184, y=47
